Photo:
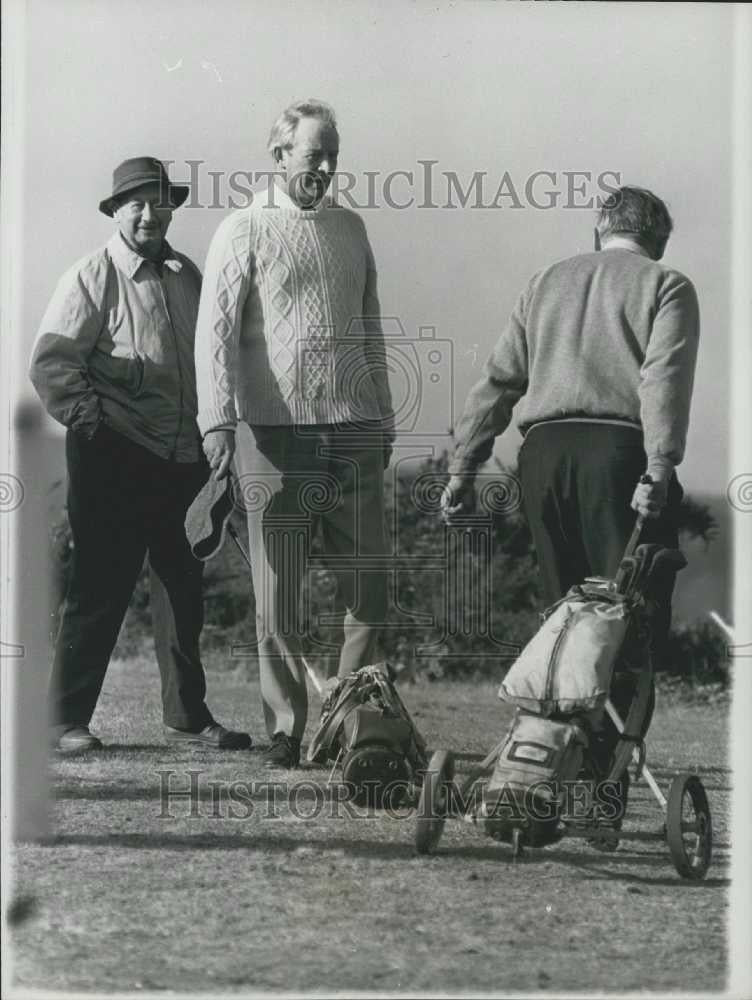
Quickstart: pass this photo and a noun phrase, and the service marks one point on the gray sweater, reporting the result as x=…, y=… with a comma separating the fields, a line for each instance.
x=607, y=335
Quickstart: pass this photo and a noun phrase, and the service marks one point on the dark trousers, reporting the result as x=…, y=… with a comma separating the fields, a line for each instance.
x=577, y=482
x=124, y=501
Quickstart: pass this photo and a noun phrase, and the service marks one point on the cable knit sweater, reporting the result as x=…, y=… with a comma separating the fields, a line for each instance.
x=608, y=335
x=289, y=328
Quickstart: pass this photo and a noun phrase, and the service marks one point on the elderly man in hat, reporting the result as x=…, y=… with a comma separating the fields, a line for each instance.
x=113, y=362
x=292, y=383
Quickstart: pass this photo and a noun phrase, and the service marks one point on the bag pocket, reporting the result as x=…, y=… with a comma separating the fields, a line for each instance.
x=539, y=752
x=567, y=665
x=527, y=789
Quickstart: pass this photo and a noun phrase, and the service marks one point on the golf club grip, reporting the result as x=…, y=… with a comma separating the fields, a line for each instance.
x=639, y=523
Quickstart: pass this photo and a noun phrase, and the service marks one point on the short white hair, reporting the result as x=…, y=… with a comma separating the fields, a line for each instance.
x=282, y=135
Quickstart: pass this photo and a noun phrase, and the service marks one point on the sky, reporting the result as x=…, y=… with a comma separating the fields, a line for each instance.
x=509, y=90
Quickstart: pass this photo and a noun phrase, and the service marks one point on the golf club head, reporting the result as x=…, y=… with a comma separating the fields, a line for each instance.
x=666, y=563
x=625, y=572
x=644, y=554
x=670, y=558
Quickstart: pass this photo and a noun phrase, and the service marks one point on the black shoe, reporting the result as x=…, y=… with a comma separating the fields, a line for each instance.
x=212, y=737
x=284, y=751
x=78, y=738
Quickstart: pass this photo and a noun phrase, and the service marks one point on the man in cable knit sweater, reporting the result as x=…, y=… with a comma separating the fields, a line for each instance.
x=600, y=350
x=292, y=384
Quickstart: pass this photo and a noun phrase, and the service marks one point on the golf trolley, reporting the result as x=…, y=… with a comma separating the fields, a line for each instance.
x=568, y=738
x=686, y=829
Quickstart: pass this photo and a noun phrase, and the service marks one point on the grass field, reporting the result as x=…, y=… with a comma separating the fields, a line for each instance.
x=294, y=897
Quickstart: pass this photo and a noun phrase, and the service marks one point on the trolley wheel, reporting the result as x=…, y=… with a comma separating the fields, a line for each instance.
x=435, y=801
x=689, y=830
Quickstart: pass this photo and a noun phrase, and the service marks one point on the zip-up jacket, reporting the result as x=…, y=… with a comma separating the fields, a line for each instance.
x=116, y=345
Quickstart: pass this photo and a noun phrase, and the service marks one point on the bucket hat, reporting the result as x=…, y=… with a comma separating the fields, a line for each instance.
x=206, y=518
x=131, y=174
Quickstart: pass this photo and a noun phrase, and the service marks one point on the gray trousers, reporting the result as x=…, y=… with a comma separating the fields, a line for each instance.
x=291, y=480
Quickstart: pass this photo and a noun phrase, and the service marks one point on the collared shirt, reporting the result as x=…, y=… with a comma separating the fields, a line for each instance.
x=116, y=344
x=624, y=243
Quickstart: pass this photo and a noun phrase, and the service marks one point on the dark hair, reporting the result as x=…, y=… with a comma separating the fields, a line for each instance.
x=638, y=213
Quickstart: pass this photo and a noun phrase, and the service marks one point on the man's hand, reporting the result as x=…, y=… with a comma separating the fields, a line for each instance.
x=458, y=499
x=219, y=447
x=650, y=498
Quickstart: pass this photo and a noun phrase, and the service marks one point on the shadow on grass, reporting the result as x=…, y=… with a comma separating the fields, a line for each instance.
x=160, y=749
x=592, y=873
x=112, y=749
x=601, y=875
x=591, y=865
x=277, y=843
x=205, y=790
x=667, y=772
x=537, y=855
x=590, y=869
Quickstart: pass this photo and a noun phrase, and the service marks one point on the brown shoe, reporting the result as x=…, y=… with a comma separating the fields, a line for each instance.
x=211, y=737
x=78, y=738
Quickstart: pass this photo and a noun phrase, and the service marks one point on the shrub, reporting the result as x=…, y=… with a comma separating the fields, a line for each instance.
x=697, y=653
x=461, y=603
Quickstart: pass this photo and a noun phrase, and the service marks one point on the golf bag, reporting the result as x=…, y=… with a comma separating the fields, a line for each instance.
x=593, y=642
x=364, y=722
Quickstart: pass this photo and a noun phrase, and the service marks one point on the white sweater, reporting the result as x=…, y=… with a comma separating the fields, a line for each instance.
x=289, y=328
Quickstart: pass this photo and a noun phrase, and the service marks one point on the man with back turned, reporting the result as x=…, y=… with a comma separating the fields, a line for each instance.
x=600, y=353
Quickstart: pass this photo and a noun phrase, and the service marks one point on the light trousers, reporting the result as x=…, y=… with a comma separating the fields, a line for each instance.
x=291, y=482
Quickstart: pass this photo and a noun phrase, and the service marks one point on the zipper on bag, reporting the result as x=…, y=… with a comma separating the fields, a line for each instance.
x=554, y=655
